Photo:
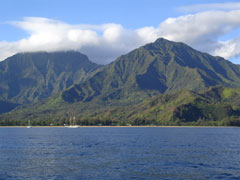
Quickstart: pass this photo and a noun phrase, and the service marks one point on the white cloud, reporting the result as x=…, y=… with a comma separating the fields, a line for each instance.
x=148, y=34
x=103, y=43
x=229, y=48
x=210, y=7
x=203, y=30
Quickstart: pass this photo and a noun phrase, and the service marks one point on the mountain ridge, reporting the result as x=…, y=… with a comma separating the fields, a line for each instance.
x=156, y=68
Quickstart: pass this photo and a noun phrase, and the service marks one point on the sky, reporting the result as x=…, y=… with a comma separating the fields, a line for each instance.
x=106, y=29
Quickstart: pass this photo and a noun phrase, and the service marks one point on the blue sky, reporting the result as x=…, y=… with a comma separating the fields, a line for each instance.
x=129, y=13
x=122, y=16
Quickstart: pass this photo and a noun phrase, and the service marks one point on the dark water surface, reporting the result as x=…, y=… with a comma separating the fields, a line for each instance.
x=120, y=153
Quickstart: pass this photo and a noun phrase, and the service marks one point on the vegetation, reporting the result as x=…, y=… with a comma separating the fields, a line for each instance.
x=211, y=107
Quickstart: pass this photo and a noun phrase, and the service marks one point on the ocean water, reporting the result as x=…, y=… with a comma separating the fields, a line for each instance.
x=120, y=153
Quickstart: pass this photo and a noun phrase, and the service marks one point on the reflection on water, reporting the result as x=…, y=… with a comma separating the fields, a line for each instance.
x=120, y=153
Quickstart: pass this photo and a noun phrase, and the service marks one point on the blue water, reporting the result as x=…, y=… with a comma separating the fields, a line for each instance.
x=120, y=153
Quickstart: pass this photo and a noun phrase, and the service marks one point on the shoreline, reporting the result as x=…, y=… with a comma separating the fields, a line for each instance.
x=123, y=127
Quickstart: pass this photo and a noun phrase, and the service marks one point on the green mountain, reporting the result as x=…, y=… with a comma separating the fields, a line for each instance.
x=30, y=77
x=156, y=68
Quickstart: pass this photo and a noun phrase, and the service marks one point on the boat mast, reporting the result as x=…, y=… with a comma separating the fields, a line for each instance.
x=70, y=122
x=74, y=121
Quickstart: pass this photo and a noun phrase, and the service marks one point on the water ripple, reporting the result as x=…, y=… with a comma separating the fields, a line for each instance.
x=119, y=153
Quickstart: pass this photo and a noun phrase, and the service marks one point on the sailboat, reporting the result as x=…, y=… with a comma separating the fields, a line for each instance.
x=29, y=124
x=73, y=123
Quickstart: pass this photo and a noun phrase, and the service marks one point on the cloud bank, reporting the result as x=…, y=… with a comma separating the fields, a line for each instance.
x=102, y=43
x=204, y=31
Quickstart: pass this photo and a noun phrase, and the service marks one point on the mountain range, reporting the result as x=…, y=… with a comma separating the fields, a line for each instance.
x=164, y=82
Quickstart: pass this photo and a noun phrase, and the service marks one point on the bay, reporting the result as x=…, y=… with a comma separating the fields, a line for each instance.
x=120, y=153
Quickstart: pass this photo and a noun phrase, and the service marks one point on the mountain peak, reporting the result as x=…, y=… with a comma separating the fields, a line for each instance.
x=167, y=45
x=161, y=40
x=166, y=41
x=46, y=53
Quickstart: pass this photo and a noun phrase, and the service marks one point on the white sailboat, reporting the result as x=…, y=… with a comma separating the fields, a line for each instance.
x=29, y=124
x=73, y=123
